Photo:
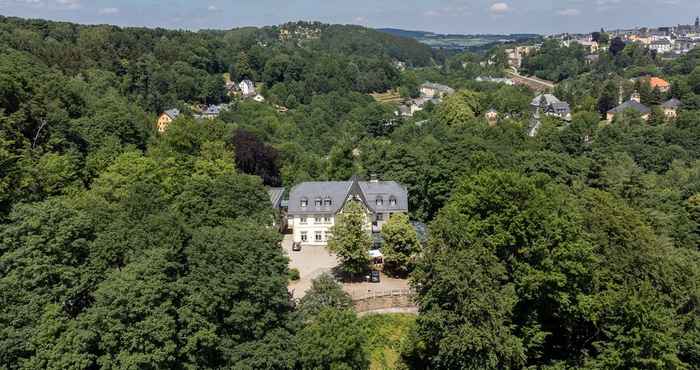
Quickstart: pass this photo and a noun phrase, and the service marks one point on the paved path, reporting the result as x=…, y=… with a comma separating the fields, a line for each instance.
x=313, y=262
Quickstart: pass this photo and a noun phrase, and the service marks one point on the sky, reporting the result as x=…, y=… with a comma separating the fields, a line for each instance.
x=441, y=16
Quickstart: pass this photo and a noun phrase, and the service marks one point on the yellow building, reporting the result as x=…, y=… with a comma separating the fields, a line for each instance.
x=166, y=118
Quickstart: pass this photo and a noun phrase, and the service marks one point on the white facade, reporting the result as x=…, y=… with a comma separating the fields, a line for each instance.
x=315, y=230
x=247, y=87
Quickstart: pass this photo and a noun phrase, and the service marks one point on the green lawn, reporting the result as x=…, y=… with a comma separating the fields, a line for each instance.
x=385, y=335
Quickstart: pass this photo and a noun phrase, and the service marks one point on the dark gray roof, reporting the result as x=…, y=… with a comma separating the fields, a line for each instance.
x=275, y=196
x=172, y=113
x=385, y=190
x=339, y=191
x=631, y=104
x=673, y=103
x=549, y=99
x=561, y=107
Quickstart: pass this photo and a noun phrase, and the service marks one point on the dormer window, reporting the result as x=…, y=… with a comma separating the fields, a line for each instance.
x=327, y=202
x=392, y=201
x=380, y=201
x=317, y=202
x=304, y=203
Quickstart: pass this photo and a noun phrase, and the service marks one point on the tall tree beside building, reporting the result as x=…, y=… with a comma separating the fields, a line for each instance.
x=400, y=245
x=351, y=240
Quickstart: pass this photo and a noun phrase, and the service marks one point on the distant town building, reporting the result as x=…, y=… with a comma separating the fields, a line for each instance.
x=166, y=118
x=247, y=88
x=633, y=104
x=550, y=105
x=661, y=46
x=671, y=107
x=435, y=90
x=491, y=116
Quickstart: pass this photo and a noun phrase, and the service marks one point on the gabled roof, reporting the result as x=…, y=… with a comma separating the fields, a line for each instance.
x=438, y=87
x=549, y=99
x=561, y=107
x=339, y=191
x=631, y=104
x=172, y=113
x=672, y=104
x=275, y=196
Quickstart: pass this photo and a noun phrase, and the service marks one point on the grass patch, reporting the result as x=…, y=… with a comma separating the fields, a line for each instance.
x=385, y=333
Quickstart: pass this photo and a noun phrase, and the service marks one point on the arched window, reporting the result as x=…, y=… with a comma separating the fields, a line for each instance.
x=327, y=202
x=304, y=202
x=380, y=201
x=392, y=201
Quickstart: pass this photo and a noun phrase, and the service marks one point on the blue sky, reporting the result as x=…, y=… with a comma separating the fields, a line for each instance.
x=455, y=16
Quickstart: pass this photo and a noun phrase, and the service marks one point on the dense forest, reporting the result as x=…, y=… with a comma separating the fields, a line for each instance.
x=124, y=248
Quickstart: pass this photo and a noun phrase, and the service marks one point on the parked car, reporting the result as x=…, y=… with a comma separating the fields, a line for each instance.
x=374, y=276
x=296, y=246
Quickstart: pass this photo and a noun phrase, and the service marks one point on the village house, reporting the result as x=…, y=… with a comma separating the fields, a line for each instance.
x=671, y=107
x=662, y=46
x=491, y=116
x=434, y=90
x=166, y=118
x=589, y=45
x=633, y=104
x=247, y=88
x=550, y=105
x=314, y=206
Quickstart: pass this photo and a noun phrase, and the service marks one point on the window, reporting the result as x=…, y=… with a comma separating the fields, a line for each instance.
x=317, y=202
x=326, y=220
x=380, y=217
x=304, y=203
x=392, y=201
x=325, y=235
x=304, y=236
x=318, y=236
x=327, y=202
x=317, y=219
x=302, y=220
x=380, y=201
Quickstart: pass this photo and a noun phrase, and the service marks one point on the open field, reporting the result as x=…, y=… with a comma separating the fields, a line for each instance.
x=389, y=97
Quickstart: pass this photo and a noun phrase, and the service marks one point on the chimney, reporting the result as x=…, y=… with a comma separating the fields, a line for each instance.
x=635, y=96
x=373, y=178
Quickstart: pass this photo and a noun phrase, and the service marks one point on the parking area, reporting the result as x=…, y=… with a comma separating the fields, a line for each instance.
x=315, y=261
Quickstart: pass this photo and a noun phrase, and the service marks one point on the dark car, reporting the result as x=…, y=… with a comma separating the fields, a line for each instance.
x=374, y=276
x=296, y=246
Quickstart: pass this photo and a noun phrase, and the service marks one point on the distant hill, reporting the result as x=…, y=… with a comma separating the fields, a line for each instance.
x=405, y=33
x=458, y=41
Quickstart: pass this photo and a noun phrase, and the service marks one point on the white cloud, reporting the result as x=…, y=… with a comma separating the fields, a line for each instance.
x=109, y=11
x=212, y=8
x=360, y=20
x=571, y=12
x=499, y=8
x=69, y=4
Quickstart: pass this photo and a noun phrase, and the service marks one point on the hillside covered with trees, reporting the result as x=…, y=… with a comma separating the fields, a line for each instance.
x=121, y=247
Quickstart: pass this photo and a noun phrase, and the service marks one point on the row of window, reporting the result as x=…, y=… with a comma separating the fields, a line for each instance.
x=319, y=236
x=327, y=202
x=318, y=220
x=380, y=201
